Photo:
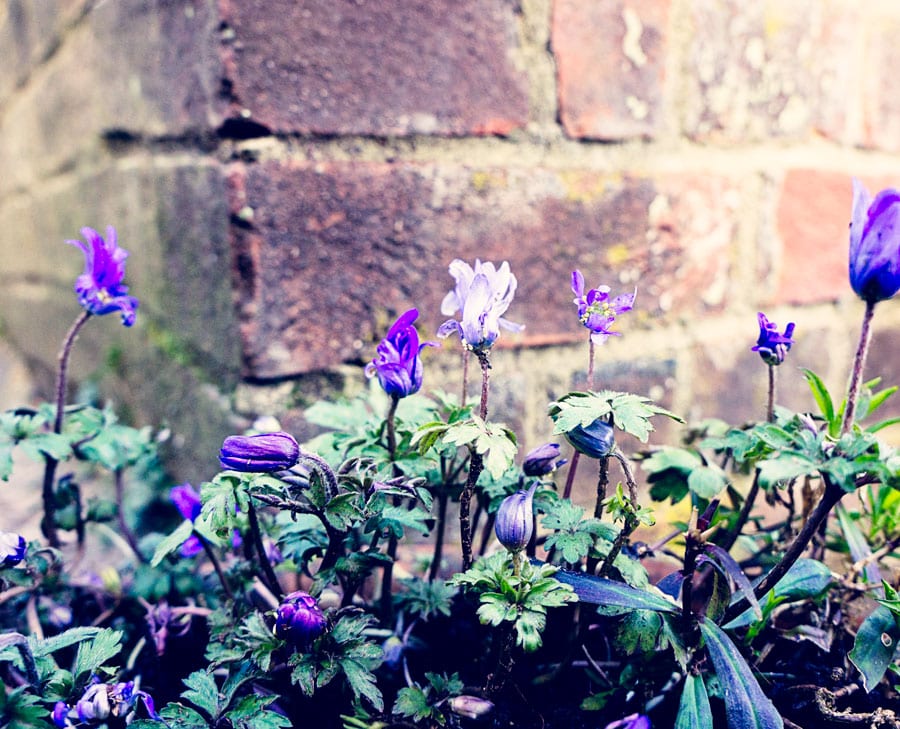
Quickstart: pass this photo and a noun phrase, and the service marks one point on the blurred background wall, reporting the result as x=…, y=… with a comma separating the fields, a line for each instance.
x=289, y=175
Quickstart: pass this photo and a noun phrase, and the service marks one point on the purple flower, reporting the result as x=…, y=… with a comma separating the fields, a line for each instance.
x=60, y=714
x=100, y=701
x=482, y=294
x=514, y=524
x=12, y=549
x=263, y=453
x=187, y=500
x=299, y=620
x=633, y=721
x=542, y=460
x=596, y=440
x=772, y=346
x=397, y=363
x=100, y=289
x=597, y=311
x=875, y=244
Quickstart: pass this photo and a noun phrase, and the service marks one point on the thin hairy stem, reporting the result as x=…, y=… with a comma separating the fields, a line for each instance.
x=746, y=508
x=217, y=566
x=127, y=533
x=439, y=531
x=859, y=361
x=476, y=466
x=770, y=405
x=271, y=579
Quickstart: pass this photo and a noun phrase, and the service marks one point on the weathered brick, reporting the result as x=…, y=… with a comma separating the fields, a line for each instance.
x=329, y=252
x=610, y=60
x=771, y=69
x=881, y=85
x=128, y=69
x=383, y=67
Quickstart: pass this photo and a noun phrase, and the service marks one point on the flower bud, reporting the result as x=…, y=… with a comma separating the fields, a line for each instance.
x=299, y=620
x=471, y=707
x=875, y=244
x=259, y=453
x=60, y=715
x=515, y=520
x=595, y=440
x=542, y=460
x=12, y=549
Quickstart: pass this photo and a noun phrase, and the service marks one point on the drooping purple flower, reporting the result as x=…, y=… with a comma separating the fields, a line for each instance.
x=596, y=440
x=101, y=701
x=633, y=721
x=514, y=524
x=100, y=289
x=875, y=243
x=482, y=294
x=299, y=620
x=397, y=362
x=12, y=549
x=597, y=311
x=772, y=346
x=262, y=453
x=542, y=460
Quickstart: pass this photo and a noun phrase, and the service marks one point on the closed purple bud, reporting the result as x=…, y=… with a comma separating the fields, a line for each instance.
x=397, y=363
x=875, y=244
x=542, y=460
x=12, y=549
x=299, y=619
x=259, y=453
x=633, y=721
x=514, y=524
x=772, y=346
x=471, y=707
x=596, y=440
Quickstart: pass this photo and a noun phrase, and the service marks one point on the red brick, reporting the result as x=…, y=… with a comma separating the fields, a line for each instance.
x=756, y=70
x=881, y=84
x=813, y=215
x=333, y=251
x=382, y=67
x=610, y=59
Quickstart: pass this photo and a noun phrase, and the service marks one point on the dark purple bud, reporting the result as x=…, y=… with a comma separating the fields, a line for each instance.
x=772, y=346
x=596, y=440
x=705, y=519
x=259, y=453
x=875, y=244
x=397, y=363
x=633, y=721
x=299, y=620
x=542, y=460
x=60, y=715
x=12, y=549
x=471, y=707
x=515, y=520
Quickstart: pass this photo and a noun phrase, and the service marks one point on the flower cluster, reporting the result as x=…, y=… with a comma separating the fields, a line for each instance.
x=100, y=289
x=596, y=310
x=397, y=362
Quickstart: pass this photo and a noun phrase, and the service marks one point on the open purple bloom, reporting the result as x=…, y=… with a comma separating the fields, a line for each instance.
x=397, y=362
x=514, y=524
x=482, y=294
x=12, y=549
x=772, y=346
x=597, y=310
x=542, y=460
x=299, y=620
x=100, y=289
x=875, y=244
x=264, y=453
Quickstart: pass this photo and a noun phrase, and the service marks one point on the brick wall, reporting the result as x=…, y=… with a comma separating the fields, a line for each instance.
x=291, y=174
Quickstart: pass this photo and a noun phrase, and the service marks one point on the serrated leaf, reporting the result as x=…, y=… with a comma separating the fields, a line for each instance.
x=412, y=702
x=362, y=682
x=183, y=717
x=38, y=447
x=95, y=652
x=203, y=692
x=693, y=710
x=875, y=646
x=707, y=482
x=172, y=542
x=746, y=706
x=638, y=631
x=251, y=713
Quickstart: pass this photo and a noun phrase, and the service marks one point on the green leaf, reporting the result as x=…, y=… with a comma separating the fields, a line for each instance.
x=203, y=693
x=362, y=682
x=412, y=702
x=822, y=398
x=39, y=446
x=784, y=468
x=95, y=652
x=746, y=706
x=172, y=542
x=638, y=631
x=181, y=716
x=251, y=713
x=630, y=413
x=600, y=591
x=875, y=646
x=694, y=711
x=857, y=544
x=707, y=481
x=343, y=511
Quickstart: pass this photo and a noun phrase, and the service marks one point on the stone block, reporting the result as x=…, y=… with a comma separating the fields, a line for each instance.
x=881, y=85
x=327, y=254
x=611, y=60
x=383, y=67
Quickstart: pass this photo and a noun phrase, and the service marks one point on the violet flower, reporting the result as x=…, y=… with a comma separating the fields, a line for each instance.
x=596, y=440
x=299, y=620
x=633, y=721
x=100, y=289
x=264, y=453
x=514, y=524
x=542, y=460
x=772, y=346
x=12, y=549
x=101, y=701
x=187, y=500
x=597, y=311
x=397, y=362
x=875, y=244
x=482, y=294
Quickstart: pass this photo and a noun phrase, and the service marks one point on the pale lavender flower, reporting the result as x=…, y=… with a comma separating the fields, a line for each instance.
x=482, y=294
x=514, y=524
x=597, y=310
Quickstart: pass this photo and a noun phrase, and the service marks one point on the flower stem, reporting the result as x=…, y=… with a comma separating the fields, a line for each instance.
x=770, y=406
x=387, y=577
x=576, y=456
x=476, y=466
x=862, y=350
x=465, y=378
x=439, y=530
x=217, y=566
x=48, y=523
x=391, y=430
x=271, y=579
x=123, y=525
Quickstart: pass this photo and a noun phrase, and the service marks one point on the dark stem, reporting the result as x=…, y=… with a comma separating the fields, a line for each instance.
x=439, y=531
x=31, y=672
x=770, y=406
x=387, y=577
x=497, y=679
x=123, y=525
x=270, y=578
x=217, y=566
x=486, y=534
x=831, y=496
x=692, y=546
x=465, y=378
x=485, y=363
x=602, y=485
x=862, y=350
x=391, y=431
x=728, y=541
x=476, y=466
x=570, y=476
x=48, y=523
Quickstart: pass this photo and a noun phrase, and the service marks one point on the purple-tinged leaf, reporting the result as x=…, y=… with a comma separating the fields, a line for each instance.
x=600, y=591
x=746, y=706
x=694, y=711
x=734, y=572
